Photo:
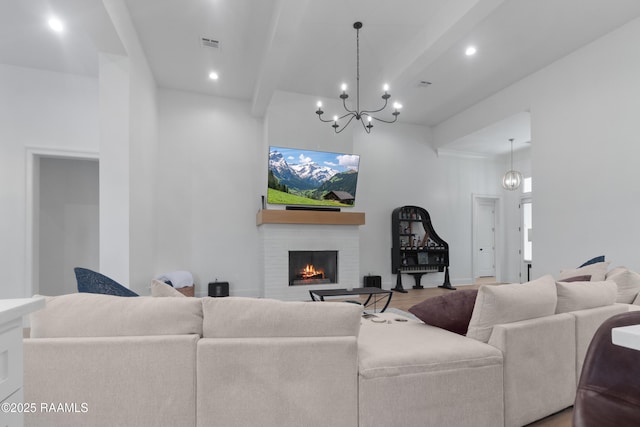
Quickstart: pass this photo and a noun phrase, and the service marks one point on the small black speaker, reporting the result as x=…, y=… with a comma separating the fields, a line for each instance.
x=372, y=281
x=218, y=289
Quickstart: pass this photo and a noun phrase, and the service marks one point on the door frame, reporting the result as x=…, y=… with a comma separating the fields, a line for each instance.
x=498, y=239
x=33, y=156
x=526, y=198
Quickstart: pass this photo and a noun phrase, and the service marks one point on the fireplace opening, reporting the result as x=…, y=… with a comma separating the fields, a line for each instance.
x=313, y=267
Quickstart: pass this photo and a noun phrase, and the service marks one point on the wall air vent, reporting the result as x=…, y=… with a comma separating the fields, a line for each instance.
x=424, y=83
x=209, y=42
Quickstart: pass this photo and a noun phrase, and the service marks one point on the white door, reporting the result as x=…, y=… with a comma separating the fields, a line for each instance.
x=486, y=238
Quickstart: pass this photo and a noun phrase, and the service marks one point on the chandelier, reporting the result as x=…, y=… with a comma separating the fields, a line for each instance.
x=512, y=178
x=358, y=114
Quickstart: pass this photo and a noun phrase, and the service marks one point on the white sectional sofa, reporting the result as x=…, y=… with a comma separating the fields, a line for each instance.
x=147, y=361
x=537, y=334
x=253, y=362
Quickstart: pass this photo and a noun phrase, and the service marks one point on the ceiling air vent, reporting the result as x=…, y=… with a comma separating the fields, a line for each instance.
x=424, y=83
x=209, y=42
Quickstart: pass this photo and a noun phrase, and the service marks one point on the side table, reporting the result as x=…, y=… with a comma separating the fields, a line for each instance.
x=626, y=336
x=376, y=294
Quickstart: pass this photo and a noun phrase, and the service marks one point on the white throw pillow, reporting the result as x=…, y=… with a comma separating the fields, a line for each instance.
x=575, y=296
x=498, y=304
x=628, y=284
x=161, y=289
x=597, y=271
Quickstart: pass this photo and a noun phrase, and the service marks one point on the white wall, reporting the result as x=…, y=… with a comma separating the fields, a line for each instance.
x=585, y=127
x=115, y=116
x=114, y=168
x=128, y=156
x=68, y=218
x=212, y=169
x=143, y=154
x=399, y=167
x=210, y=162
x=37, y=109
x=512, y=258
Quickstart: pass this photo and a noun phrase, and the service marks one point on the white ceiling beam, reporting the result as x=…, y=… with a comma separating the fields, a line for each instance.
x=448, y=24
x=285, y=25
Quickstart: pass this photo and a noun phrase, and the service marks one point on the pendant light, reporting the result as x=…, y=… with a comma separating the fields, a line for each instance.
x=512, y=179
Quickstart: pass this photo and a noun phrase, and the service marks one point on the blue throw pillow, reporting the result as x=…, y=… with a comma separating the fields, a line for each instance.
x=593, y=261
x=96, y=283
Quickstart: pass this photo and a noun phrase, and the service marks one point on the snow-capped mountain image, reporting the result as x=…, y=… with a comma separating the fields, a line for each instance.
x=314, y=173
x=304, y=173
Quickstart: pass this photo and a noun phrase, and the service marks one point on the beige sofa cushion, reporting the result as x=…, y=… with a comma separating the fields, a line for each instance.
x=97, y=315
x=412, y=374
x=238, y=317
x=161, y=289
x=628, y=284
x=497, y=304
x=597, y=271
x=583, y=295
x=410, y=347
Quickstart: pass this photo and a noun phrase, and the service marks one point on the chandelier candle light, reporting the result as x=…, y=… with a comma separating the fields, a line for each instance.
x=361, y=115
x=512, y=178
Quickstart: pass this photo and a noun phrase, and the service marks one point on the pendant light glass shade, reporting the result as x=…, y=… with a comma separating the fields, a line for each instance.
x=512, y=179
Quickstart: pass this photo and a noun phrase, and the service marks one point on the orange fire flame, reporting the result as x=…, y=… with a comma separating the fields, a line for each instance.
x=310, y=271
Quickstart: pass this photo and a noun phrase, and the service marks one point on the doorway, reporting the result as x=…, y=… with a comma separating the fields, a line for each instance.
x=485, y=237
x=526, y=228
x=63, y=219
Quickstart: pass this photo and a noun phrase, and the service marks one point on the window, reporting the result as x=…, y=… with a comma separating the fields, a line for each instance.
x=526, y=185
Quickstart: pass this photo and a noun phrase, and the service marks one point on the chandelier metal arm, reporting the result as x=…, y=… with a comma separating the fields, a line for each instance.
x=335, y=127
x=369, y=112
x=395, y=118
x=320, y=113
x=344, y=103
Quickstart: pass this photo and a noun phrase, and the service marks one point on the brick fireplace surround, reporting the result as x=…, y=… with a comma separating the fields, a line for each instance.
x=307, y=231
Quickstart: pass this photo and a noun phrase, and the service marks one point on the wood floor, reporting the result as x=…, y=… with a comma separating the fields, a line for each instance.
x=413, y=296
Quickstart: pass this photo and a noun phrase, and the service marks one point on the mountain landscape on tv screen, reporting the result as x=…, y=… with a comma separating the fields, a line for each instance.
x=299, y=177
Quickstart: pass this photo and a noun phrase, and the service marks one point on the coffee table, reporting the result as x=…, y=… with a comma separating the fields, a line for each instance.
x=374, y=295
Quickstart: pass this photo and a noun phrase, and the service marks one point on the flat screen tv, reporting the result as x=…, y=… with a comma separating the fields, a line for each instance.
x=300, y=177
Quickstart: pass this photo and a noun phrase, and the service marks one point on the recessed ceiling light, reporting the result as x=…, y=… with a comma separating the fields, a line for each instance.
x=470, y=51
x=55, y=24
x=213, y=75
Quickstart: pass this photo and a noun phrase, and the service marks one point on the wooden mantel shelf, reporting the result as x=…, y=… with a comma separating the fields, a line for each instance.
x=281, y=216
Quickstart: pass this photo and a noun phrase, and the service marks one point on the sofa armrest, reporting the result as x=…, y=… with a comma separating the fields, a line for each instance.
x=539, y=366
x=587, y=322
x=145, y=380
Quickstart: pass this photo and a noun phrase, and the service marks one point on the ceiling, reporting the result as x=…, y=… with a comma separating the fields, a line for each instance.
x=308, y=47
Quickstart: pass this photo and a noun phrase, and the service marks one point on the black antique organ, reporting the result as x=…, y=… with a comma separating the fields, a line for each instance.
x=416, y=247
